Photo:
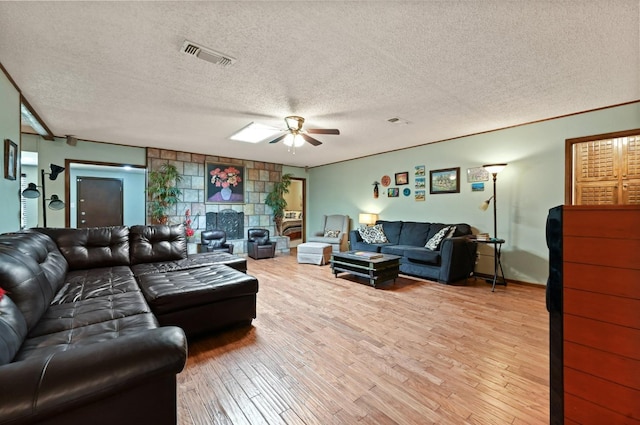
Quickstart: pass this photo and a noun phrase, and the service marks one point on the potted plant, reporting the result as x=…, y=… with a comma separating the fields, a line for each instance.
x=163, y=191
x=275, y=200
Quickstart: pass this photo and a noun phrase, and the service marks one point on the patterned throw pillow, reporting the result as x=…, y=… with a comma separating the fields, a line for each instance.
x=451, y=232
x=331, y=233
x=373, y=234
x=434, y=243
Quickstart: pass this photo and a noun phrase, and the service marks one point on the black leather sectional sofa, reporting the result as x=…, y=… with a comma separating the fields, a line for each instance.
x=93, y=321
x=454, y=259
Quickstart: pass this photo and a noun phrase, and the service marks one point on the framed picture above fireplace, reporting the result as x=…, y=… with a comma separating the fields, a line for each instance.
x=225, y=183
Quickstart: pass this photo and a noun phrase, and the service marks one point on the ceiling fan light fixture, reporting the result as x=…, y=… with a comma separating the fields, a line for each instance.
x=294, y=122
x=293, y=140
x=254, y=133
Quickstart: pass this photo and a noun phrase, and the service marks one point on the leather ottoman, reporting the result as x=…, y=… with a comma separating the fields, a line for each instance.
x=201, y=300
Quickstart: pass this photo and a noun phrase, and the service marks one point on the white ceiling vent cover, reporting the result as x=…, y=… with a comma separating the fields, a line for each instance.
x=204, y=53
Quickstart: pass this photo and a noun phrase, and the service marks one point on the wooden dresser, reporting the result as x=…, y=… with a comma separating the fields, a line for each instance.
x=601, y=314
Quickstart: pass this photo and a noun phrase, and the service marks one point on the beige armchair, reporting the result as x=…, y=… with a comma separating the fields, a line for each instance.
x=335, y=231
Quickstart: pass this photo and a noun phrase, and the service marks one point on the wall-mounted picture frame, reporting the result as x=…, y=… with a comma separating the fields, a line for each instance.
x=393, y=192
x=420, y=195
x=446, y=180
x=385, y=180
x=419, y=171
x=10, y=159
x=477, y=174
x=224, y=183
x=402, y=178
x=421, y=183
x=477, y=187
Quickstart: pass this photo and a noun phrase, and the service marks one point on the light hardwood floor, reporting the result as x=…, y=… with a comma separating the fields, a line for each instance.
x=326, y=350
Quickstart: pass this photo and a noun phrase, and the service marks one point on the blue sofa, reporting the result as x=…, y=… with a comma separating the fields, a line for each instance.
x=454, y=260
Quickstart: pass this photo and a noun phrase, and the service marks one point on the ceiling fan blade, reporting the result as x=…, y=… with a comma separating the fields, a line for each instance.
x=323, y=131
x=277, y=139
x=311, y=140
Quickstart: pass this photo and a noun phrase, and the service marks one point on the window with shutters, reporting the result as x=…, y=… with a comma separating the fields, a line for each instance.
x=603, y=169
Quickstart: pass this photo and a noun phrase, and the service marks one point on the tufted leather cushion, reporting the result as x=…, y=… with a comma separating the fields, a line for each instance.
x=92, y=247
x=13, y=329
x=30, y=279
x=171, y=291
x=75, y=315
x=95, y=333
x=191, y=262
x=157, y=243
x=92, y=283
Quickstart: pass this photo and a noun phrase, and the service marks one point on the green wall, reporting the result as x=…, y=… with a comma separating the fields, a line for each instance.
x=57, y=152
x=532, y=183
x=9, y=129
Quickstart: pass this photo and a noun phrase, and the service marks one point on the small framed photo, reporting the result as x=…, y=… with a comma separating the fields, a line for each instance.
x=446, y=180
x=477, y=174
x=393, y=192
x=477, y=187
x=419, y=171
x=421, y=183
x=420, y=195
x=10, y=159
x=402, y=178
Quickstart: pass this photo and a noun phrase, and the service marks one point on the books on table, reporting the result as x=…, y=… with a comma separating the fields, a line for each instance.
x=368, y=254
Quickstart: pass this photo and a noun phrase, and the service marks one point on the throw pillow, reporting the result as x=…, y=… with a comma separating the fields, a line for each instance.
x=451, y=232
x=373, y=234
x=434, y=243
x=331, y=233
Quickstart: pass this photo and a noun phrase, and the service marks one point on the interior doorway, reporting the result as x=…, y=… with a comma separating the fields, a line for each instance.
x=99, y=202
x=293, y=223
x=603, y=169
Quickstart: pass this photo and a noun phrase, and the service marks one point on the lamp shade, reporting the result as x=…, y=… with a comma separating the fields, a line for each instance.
x=56, y=203
x=368, y=219
x=294, y=140
x=494, y=168
x=31, y=191
x=55, y=170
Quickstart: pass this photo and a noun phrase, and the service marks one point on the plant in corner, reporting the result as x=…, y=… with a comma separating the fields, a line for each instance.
x=162, y=187
x=275, y=200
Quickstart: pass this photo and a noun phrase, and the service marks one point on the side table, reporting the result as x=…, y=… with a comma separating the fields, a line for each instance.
x=498, y=273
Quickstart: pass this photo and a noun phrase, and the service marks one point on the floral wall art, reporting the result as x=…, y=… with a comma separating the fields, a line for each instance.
x=225, y=183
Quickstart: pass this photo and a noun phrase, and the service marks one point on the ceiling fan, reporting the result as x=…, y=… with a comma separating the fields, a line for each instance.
x=295, y=135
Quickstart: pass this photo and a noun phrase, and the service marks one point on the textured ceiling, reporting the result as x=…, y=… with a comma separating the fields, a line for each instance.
x=113, y=71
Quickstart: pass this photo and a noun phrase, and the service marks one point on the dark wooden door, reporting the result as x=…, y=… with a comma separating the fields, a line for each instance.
x=99, y=202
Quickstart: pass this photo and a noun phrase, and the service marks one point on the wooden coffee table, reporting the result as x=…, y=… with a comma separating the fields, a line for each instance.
x=374, y=270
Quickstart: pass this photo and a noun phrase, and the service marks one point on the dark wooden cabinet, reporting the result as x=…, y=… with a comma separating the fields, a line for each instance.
x=601, y=314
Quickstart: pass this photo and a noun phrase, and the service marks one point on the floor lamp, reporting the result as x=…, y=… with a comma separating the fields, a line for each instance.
x=494, y=169
x=32, y=192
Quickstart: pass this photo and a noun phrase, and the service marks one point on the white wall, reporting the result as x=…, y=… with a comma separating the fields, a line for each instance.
x=9, y=129
x=532, y=183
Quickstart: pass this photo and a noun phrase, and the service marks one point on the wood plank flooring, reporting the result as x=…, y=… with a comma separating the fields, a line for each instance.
x=326, y=350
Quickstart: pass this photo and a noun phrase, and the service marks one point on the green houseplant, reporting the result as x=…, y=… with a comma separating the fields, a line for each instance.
x=275, y=200
x=163, y=191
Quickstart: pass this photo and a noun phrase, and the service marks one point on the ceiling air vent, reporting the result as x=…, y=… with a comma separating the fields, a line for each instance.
x=204, y=53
